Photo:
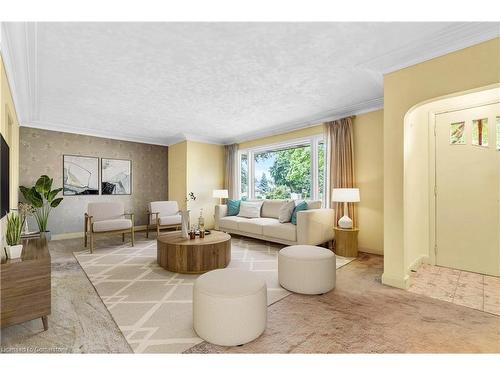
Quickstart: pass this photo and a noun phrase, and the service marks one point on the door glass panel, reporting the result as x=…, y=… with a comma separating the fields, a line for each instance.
x=457, y=133
x=480, y=132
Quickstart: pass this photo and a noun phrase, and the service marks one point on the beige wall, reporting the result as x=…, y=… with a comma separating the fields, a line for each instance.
x=9, y=128
x=177, y=173
x=42, y=153
x=199, y=168
x=205, y=173
x=369, y=176
x=416, y=189
x=305, y=132
x=467, y=69
x=368, y=166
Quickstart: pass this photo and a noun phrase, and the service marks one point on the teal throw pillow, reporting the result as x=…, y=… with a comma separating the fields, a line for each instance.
x=302, y=206
x=233, y=207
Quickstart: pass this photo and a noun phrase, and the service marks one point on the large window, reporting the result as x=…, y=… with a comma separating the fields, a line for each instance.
x=291, y=170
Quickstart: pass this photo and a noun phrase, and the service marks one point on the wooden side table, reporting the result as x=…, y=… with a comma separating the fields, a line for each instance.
x=25, y=290
x=346, y=242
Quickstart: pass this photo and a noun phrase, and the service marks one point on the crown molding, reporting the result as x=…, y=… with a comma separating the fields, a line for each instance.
x=45, y=125
x=451, y=39
x=333, y=114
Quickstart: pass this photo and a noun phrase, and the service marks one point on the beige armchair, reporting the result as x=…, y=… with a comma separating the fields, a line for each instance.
x=163, y=214
x=107, y=218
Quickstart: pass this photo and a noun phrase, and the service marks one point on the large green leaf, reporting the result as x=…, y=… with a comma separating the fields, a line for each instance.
x=56, y=202
x=35, y=198
x=43, y=185
x=52, y=194
x=25, y=191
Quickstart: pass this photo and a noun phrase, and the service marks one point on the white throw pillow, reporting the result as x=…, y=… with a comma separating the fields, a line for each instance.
x=250, y=210
x=286, y=211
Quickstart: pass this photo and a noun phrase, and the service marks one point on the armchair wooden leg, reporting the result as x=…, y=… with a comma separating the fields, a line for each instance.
x=132, y=233
x=123, y=237
x=85, y=230
x=157, y=230
x=91, y=235
x=147, y=230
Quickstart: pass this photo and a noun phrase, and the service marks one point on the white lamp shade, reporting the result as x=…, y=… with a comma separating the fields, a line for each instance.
x=220, y=194
x=345, y=195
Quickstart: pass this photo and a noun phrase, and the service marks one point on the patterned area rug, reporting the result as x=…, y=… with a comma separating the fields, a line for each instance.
x=153, y=307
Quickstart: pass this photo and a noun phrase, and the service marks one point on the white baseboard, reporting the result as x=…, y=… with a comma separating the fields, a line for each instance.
x=418, y=262
x=67, y=236
x=396, y=281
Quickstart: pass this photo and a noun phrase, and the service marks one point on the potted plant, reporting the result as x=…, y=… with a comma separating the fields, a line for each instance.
x=13, y=236
x=43, y=199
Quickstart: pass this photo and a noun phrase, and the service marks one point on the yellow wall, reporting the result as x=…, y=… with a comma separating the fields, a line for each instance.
x=11, y=135
x=205, y=173
x=305, y=132
x=199, y=168
x=369, y=176
x=368, y=167
x=177, y=172
x=470, y=68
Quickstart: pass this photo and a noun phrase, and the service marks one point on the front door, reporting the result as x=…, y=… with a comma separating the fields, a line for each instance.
x=468, y=189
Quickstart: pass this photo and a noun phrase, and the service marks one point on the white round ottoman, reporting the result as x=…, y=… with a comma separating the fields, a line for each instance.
x=229, y=306
x=306, y=269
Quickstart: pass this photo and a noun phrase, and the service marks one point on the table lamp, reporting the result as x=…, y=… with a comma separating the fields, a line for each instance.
x=220, y=194
x=345, y=195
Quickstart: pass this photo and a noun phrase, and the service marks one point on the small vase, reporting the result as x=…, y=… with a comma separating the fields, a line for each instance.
x=14, y=252
x=185, y=224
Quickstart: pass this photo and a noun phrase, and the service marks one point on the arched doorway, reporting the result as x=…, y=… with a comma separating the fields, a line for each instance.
x=452, y=182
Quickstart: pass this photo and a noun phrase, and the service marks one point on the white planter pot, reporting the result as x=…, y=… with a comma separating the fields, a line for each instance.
x=14, y=252
x=185, y=224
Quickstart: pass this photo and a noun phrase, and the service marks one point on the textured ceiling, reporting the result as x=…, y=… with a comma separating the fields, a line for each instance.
x=217, y=82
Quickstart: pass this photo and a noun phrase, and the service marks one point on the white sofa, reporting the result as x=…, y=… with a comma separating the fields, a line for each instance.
x=314, y=226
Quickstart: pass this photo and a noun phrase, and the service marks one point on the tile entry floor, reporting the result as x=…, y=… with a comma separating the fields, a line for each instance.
x=480, y=292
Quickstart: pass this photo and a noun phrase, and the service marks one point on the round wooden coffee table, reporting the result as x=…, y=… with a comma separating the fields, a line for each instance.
x=177, y=254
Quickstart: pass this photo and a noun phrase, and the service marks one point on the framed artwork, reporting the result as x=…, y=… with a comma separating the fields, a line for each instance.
x=457, y=133
x=80, y=175
x=116, y=177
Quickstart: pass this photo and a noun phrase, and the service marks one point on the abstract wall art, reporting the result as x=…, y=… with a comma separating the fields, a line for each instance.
x=116, y=177
x=80, y=175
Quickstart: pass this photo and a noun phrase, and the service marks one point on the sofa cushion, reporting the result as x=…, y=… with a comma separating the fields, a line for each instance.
x=170, y=220
x=283, y=231
x=233, y=207
x=116, y=224
x=255, y=225
x=230, y=222
x=250, y=209
x=302, y=206
x=286, y=212
x=271, y=207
